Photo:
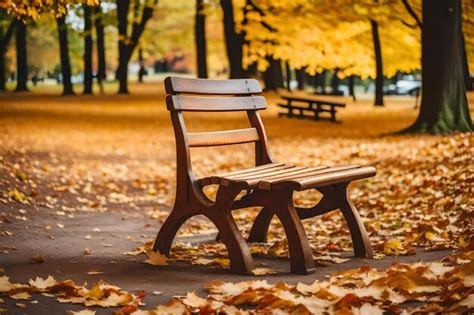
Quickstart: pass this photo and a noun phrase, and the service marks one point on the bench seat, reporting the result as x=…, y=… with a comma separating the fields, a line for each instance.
x=275, y=176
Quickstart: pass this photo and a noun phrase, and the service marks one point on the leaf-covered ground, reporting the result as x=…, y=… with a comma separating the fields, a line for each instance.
x=72, y=168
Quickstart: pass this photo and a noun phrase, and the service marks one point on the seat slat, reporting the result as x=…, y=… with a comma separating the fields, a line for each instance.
x=251, y=170
x=175, y=85
x=225, y=180
x=266, y=183
x=325, y=179
x=214, y=104
x=288, y=170
x=215, y=138
x=207, y=180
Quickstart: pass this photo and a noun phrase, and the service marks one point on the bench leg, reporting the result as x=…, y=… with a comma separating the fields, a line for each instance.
x=360, y=239
x=168, y=230
x=301, y=255
x=220, y=214
x=239, y=254
x=259, y=230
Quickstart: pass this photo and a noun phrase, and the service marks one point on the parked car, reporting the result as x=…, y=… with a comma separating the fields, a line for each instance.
x=403, y=87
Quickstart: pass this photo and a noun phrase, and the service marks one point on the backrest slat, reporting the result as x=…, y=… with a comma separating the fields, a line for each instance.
x=174, y=85
x=211, y=104
x=214, y=138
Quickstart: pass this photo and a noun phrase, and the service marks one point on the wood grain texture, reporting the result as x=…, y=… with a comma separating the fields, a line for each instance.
x=214, y=104
x=215, y=138
x=175, y=85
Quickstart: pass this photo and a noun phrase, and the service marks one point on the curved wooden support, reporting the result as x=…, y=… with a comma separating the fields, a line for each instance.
x=259, y=230
x=168, y=230
x=239, y=254
x=301, y=257
x=360, y=239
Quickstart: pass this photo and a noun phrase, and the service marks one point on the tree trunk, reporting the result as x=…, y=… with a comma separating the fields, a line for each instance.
x=233, y=41
x=101, y=65
x=141, y=62
x=273, y=76
x=300, y=74
x=21, y=58
x=378, y=65
x=88, y=77
x=64, y=56
x=351, y=83
x=200, y=38
x=319, y=82
x=465, y=65
x=335, y=83
x=288, y=76
x=4, y=41
x=444, y=106
x=122, y=70
x=127, y=44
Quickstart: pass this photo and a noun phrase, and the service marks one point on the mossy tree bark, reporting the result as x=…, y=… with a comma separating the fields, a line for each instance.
x=444, y=106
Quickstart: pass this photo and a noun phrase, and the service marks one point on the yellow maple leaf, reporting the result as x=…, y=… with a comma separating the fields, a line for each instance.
x=155, y=258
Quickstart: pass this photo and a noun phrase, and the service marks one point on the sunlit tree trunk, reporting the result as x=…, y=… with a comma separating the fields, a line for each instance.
x=200, y=39
x=444, y=106
x=4, y=40
x=21, y=57
x=233, y=41
x=87, y=49
x=101, y=65
x=64, y=56
x=378, y=64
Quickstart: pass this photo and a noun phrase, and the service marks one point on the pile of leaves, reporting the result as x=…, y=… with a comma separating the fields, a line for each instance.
x=435, y=287
x=100, y=294
x=438, y=287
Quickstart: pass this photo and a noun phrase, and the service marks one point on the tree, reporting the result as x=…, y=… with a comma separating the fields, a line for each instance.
x=128, y=43
x=300, y=75
x=4, y=41
x=273, y=76
x=99, y=28
x=88, y=77
x=351, y=83
x=234, y=41
x=200, y=39
x=444, y=106
x=64, y=55
x=21, y=57
x=378, y=64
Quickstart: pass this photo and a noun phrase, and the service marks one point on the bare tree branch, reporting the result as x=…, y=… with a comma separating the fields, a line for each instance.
x=412, y=13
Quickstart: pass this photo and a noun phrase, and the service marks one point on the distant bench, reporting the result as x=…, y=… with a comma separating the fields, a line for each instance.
x=315, y=107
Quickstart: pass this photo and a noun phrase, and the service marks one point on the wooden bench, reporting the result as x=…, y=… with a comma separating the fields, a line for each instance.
x=269, y=185
x=307, y=107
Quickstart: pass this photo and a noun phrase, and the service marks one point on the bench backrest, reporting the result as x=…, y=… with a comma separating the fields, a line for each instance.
x=204, y=95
